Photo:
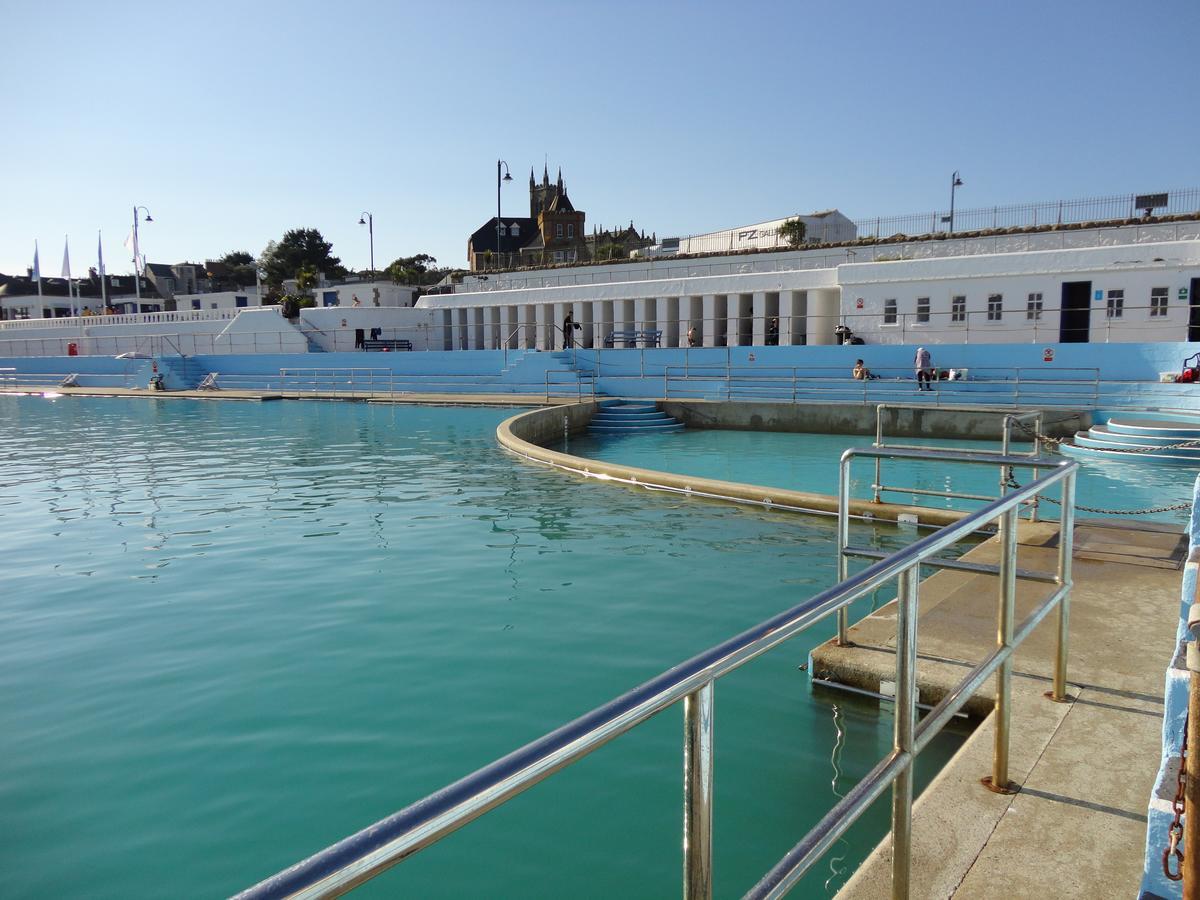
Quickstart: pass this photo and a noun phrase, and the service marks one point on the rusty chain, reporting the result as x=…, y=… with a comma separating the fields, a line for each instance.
x=1175, y=831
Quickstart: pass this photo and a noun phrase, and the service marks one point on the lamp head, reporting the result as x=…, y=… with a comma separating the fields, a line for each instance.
x=149, y=218
x=507, y=177
x=362, y=221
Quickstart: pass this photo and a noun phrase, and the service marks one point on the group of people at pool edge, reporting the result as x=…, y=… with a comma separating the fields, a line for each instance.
x=922, y=362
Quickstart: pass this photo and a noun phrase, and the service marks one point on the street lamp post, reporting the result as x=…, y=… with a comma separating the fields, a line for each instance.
x=507, y=177
x=369, y=220
x=955, y=183
x=137, y=277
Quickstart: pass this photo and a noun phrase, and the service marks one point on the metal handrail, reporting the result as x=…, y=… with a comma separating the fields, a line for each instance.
x=358, y=858
x=896, y=770
x=1010, y=419
x=800, y=383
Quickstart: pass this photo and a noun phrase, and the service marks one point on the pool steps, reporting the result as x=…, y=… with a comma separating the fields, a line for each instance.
x=616, y=417
x=1139, y=440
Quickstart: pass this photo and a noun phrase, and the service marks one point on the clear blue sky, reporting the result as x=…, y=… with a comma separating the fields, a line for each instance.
x=233, y=122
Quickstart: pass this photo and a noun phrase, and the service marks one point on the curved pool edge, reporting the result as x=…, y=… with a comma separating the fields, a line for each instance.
x=524, y=433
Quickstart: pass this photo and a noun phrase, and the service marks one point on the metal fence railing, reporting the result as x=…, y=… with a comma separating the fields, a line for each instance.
x=1013, y=320
x=1030, y=215
x=1015, y=386
x=362, y=856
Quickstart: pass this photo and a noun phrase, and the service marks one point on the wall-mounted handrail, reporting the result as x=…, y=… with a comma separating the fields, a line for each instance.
x=358, y=858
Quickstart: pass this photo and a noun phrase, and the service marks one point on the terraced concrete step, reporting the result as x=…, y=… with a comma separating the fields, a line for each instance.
x=1085, y=440
x=1178, y=430
x=1103, y=433
x=634, y=429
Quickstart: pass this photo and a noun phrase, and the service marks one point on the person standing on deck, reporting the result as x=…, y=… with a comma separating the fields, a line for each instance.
x=923, y=363
x=569, y=327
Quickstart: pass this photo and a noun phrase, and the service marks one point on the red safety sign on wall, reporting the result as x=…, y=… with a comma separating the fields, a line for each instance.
x=1048, y=355
x=858, y=304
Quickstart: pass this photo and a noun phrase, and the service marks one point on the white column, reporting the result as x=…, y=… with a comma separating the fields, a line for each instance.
x=786, y=315
x=605, y=322
x=668, y=318
x=508, y=324
x=492, y=337
x=714, y=318
x=460, y=328
x=758, y=332
x=823, y=310
x=529, y=327
x=645, y=314
x=544, y=313
x=475, y=339
x=733, y=320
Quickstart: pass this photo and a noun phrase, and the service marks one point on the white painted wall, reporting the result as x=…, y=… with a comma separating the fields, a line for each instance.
x=333, y=328
x=1013, y=277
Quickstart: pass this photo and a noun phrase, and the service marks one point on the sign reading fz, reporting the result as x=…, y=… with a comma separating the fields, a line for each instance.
x=752, y=234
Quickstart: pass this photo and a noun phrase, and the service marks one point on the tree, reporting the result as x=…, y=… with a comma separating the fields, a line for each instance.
x=415, y=270
x=299, y=247
x=242, y=268
x=792, y=231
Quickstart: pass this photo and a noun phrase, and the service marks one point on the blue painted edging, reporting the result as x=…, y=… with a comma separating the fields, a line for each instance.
x=1159, y=813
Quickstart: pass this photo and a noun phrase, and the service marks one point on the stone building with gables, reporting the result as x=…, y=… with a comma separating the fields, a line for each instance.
x=552, y=233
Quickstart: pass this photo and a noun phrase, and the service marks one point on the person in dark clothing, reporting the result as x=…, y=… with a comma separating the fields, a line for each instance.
x=568, y=329
x=359, y=335
x=773, y=332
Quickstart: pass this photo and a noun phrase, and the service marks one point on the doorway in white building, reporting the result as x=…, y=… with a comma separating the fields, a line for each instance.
x=1075, y=313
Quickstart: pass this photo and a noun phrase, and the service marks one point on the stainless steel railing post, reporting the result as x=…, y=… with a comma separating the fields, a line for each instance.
x=905, y=727
x=1066, y=546
x=697, y=793
x=843, y=539
x=1004, y=637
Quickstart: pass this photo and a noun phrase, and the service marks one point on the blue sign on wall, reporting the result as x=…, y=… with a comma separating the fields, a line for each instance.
x=1099, y=295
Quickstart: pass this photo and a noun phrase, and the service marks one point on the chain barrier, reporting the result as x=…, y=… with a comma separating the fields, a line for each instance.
x=1148, y=511
x=1175, y=831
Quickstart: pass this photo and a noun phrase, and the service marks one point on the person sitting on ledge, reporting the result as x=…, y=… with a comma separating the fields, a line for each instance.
x=861, y=372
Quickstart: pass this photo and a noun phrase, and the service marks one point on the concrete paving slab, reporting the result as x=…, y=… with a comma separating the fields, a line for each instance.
x=1077, y=827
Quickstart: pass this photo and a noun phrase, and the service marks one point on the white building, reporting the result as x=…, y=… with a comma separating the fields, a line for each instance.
x=1122, y=283
x=827, y=227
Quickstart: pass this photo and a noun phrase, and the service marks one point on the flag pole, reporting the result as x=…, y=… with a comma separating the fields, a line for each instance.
x=103, y=286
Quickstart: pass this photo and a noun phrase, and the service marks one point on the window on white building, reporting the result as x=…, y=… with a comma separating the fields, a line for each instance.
x=1033, y=309
x=889, y=312
x=995, y=307
x=958, y=308
x=1116, y=304
x=1158, y=301
x=922, y=309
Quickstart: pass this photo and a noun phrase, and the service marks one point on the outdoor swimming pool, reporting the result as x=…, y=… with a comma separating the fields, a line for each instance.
x=809, y=462
x=234, y=633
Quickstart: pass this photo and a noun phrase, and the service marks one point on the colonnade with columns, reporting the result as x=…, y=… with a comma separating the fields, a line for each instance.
x=785, y=317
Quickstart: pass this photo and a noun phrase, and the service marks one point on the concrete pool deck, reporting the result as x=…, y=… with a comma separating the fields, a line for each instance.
x=425, y=399
x=1085, y=769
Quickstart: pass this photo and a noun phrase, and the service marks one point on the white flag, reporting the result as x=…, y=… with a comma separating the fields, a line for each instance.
x=66, y=269
x=100, y=254
x=37, y=269
x=129, y=241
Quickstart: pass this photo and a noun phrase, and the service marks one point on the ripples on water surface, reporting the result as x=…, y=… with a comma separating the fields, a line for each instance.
x=233, y=633
x=809, y=462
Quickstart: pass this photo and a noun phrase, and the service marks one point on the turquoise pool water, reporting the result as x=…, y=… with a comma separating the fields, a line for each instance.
x=231, y=634
x=809, y=462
